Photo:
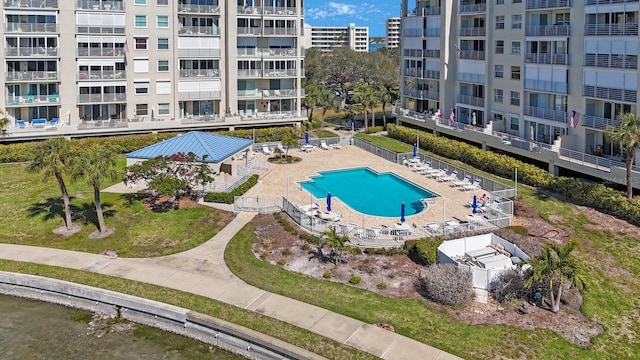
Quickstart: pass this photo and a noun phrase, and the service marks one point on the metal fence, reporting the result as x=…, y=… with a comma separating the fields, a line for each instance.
x=259, y=204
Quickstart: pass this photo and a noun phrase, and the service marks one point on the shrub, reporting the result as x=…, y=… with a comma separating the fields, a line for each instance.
x=447, y=283
x=312, y=239
x=282, y=261
x=306, y=246
x=520, y=230
x=286, y=251
x=228, y=197
x=369, y=251
x=327, y=274
x=509, y=285
x=382, y=285
x=366, y=267
x=288, y=227
x=355, y=280
x=264, y=255
x=424, y=251
x=374, y=129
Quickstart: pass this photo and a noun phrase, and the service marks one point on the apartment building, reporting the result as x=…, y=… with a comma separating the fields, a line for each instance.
x=328, y=37
x=540, y=79
x=393, y=32
x=82, y=67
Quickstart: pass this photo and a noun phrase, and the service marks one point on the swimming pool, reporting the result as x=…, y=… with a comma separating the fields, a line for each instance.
x=369, y=192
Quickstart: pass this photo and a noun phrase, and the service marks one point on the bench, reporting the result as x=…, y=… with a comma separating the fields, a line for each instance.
x=39, y=122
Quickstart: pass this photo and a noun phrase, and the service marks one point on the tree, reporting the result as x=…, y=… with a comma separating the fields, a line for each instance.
x=312, y=93
x=337, y=243
x=367, y=97
x=342, y=67
x=52, y=157
x=628, y=135
x=94, y=165
x=556, y=268
x=326, y=100
x=288, y=141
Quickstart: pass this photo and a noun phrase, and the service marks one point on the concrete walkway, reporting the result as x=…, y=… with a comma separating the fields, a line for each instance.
x=202, y=271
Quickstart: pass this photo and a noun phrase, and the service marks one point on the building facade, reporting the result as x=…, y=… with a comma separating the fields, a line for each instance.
x=114, y=66
x=328, y=37
x=393, y=32
x=541, y=79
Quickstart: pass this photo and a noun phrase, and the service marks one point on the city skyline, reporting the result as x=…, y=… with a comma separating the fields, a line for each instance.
x=342, y=12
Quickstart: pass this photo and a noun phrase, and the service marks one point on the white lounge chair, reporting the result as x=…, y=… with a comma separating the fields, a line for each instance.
x=432, y=227
x=266, y=150
x=323, y=145
x=463, y=182
x=443, y=176
x=474, y=186
x=451, y=177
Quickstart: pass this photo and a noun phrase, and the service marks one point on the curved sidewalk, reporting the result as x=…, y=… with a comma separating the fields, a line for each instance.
x=202, y=271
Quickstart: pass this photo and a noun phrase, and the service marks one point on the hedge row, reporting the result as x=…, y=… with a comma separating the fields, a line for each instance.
x=227, y=198
x=594, y=195
x=424, y=250
x=20, y=152
x=374, y=129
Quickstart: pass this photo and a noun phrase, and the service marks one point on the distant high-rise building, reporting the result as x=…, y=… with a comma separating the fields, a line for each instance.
x=327, y=37
x=393, y=32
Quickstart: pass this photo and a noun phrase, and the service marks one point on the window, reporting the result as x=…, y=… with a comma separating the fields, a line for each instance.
x=142, y=109
x=163, y=109
x=500, y=22
x=517, y=1
x=163, y=2
x=498, y=95
x=515, y=124
x=142, y=88
x=499, y=46
x=563, y=19
x=515, y=98
x=163, y=87
x=162, y=21
x=499, y=71
x=141, y=65
x=515, y=48
x=515, y=73
x=516, y=21
x=163, y=65
x=141, y=43
x=499, y=2
x=140, y=2
x=141, y=21
x=163, y=44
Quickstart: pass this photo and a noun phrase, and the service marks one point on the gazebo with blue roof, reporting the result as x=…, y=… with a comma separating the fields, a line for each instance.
x=214, y=149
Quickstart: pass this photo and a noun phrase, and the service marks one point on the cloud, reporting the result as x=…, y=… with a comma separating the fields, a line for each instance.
x=334, y=9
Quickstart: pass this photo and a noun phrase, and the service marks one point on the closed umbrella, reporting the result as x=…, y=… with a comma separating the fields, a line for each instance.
x=329, y=202
x=415, y=150
x=206, y=108
x=473, y=118
x=474, y=205
x=402, y=219
x=306, y=138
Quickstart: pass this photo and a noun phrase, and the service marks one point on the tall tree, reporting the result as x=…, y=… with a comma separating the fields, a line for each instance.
x=52, y=157
x=342, y=67
x=312, y=94
x=366, y=96
x=326, y=100
x=94, y=165
x=627, y=134
x=386, y=78
x=556, y=268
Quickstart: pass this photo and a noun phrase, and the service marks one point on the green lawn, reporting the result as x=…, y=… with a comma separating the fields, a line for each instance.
x=31, y=207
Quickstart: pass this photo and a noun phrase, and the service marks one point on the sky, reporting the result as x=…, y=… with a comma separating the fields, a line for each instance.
x=370, y=13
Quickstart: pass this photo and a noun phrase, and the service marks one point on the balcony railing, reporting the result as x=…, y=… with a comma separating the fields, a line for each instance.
x=249, y=31
x=32, y=99
x=99, y=52
x=31, y=51
x=198, y=30
x=100, y=5
x=280, y=31
x=105, y=123
x=471, y=55
x=267, y=10
x=102, y=98
x=251, y=93
x=608, y=2
x=278, y=93
x=472, y=8
x=88, y=29
x=556, y=59
x=471, y=78
x=547, y=30
x=41, y=4
x=543, y=113
x=31, y=28
x=598, y=162
x=470, y=100
x=547, y=4
x=618, y=61
x=427, y=11
x=422, y=94
x=599, y=123
x=546, y=86
x=250, y=73
x=432, y=74
x=199, y=52
x=189, y=73
x=428, y=32
x=611, y=29
x=271, y=73
x=199, y=95
x=102, y=75
x=610, y=93
x=266, y=52
x=473, y=31
x=198, y=9
x=32, y=76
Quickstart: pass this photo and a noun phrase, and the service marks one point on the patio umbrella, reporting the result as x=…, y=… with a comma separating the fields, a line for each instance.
x=329, y=202
x=306, y=138
x=474, y=205
x=206, y=108
x=473, y=118
x=415, y=150
x=402, y=219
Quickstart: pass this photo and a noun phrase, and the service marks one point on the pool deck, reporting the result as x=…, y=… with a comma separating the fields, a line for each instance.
x=275, y=184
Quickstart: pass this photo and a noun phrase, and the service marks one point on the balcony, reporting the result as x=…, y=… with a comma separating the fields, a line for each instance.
x=472, y=8
x=99, y=52
x=617, y=61
x=471, y=55
x=421, y=94
x=206, y=73
x=102, y=98
x=555, y=59
x=611, y=29
x=101, y=75
x=470, y=100
x=198, y=30
x=471, y=78
x=543, y=113
x=32, y=99
x=14, y=76
x=250, y=93
x=250, y=73
x=40, y=4
x=427, y=11
x=598, y=123
x=257, y=31
x=267, y=10
x=473, y=31
x=546, y=86
x=196, y=53
x=547, y=30
x=279, y=73
x=608, y=2
x=198, y=9
x=610, y=93
x=101, y=5
x=267, y=52
x=31, y=51
x=199, y=95
x=547, y=4
x=88, y=29
x=278, y=93
x=30, y=28
x=280, y=31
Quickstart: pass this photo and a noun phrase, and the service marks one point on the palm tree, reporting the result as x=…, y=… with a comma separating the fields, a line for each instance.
x=94, y=165
x=555, y=267
x=627, y=134
x=365, y=96
x=326, y=100
x=52, y=158
x=338, y=243
x=312, y=91
x=288, y=141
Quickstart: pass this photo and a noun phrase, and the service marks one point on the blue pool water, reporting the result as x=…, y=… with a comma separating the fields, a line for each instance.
x=369, y=192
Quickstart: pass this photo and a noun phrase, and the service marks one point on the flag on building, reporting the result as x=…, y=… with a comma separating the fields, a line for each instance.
x=575, y=118
x=126, y=51
x=246, y=5
x=458, y=48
